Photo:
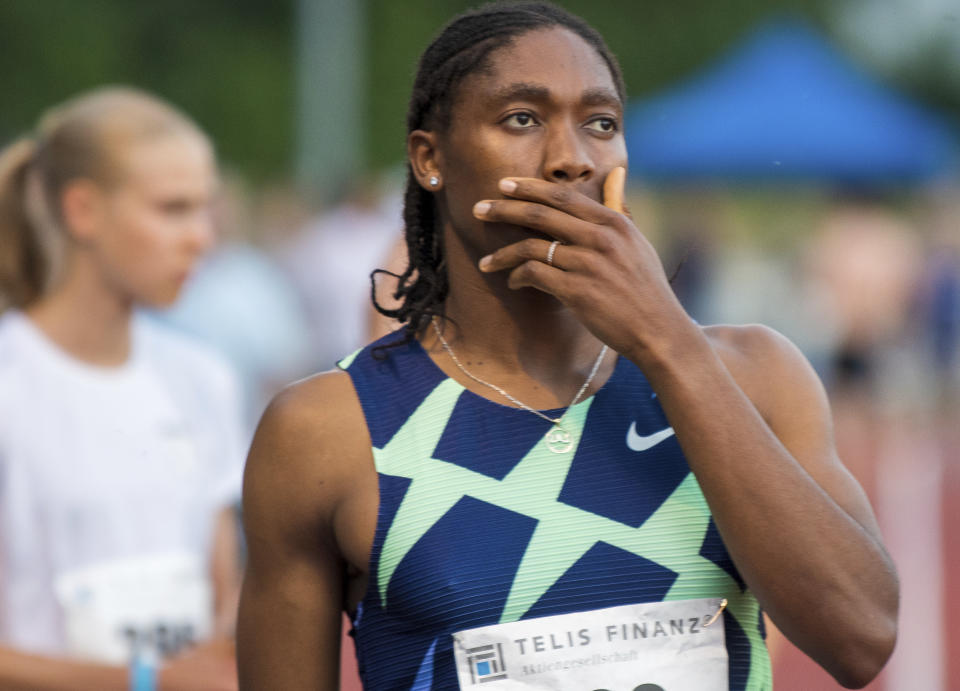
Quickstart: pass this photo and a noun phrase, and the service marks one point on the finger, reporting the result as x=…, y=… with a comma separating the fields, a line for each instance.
x=565, y=257
x=564, y=197
x=536, y=274
x=545, y=219
x=613, y=189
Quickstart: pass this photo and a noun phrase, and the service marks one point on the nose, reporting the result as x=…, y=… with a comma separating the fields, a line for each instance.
x=566, y=159
x=200, y=234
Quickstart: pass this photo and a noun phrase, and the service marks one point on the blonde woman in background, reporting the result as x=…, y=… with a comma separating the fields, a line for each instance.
x=120, y=449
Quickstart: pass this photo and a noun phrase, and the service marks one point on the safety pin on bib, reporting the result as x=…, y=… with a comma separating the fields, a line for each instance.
x=723, y=606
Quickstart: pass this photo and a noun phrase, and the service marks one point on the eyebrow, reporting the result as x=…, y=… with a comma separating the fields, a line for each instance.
x=601, y=96
x=524, y=91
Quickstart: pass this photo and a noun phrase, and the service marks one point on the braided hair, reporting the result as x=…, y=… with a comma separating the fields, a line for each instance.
x=462, y=48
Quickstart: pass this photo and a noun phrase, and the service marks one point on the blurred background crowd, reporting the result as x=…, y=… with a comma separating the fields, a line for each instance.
x=796, y=163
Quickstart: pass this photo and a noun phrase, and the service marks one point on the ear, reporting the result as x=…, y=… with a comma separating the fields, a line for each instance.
x=425, y=159
x=82, y=206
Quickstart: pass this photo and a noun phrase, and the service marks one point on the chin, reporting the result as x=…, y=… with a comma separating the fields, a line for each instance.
x=156, y=304
x=160, y=299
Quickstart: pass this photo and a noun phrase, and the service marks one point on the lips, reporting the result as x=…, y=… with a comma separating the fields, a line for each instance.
x=182, y=276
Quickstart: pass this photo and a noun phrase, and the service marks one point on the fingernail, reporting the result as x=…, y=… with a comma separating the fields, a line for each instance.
x=485, y=262
x=507, y=185
x=481, y=208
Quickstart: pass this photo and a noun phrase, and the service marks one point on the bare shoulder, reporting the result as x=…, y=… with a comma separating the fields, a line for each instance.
x=751, y=344
x=308, y=445
x=322, y=408
x=767, y=366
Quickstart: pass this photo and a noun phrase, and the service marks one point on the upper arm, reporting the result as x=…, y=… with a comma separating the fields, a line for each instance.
x=788, y=394
x=289, y=622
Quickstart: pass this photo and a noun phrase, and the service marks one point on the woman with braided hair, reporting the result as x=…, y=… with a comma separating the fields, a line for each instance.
x=551, y=477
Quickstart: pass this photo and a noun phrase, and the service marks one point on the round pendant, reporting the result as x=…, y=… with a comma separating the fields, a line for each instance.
x=558, y=439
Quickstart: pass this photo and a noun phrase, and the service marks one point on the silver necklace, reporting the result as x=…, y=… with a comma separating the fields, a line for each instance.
x=558, y=439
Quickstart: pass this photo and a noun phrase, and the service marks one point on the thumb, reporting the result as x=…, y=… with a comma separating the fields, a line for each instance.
x=613, y=189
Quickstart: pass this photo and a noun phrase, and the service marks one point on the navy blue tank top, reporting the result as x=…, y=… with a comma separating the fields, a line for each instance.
x=480, y=523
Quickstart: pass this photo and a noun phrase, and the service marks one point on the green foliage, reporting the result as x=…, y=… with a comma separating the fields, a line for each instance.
x=228, y=63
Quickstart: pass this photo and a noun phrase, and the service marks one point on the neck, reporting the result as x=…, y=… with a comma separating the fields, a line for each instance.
x=84, y=316
x=525, y=341
x=525, y=328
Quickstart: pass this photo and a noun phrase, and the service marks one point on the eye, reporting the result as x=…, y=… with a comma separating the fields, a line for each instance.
x=176, y=207
x=520, y=120
x=605, y=125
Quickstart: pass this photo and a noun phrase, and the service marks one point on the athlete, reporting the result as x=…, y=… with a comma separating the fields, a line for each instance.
x=120, y=441
x=550, y=459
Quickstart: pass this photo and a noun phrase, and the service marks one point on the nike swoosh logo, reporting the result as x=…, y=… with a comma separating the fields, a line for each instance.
x=635, y=442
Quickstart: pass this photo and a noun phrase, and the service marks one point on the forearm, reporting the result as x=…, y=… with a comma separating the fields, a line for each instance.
x=25, y=672
x=824, y=578
x=225, y=573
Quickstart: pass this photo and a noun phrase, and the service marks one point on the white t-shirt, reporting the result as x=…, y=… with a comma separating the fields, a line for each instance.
x=101, y=466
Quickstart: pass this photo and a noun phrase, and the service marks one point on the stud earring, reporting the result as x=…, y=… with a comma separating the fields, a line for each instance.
x=434, y=181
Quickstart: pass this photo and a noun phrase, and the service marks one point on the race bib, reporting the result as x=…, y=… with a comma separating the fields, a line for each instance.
x=658, y=646
x=151, y=606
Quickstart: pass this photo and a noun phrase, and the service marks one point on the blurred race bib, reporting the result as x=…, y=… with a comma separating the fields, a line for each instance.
x=152, y=606
x=657, y=646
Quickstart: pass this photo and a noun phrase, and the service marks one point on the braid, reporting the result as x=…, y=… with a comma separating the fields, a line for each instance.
x=423, y=285
x=462, y=48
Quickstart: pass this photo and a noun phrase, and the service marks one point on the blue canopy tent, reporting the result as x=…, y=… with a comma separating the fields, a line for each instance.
x=786, y=106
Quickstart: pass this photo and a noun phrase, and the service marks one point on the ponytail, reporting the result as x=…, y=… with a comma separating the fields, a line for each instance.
x=24, y=261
